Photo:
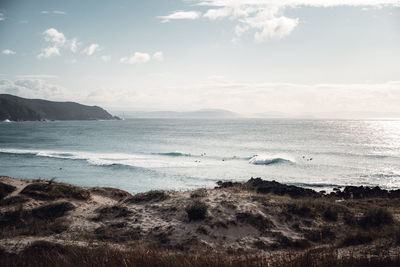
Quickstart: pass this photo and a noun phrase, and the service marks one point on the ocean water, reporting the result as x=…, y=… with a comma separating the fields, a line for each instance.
x=143, y=154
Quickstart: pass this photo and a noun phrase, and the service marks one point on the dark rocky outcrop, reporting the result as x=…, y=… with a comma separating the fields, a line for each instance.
x=271, y=187
x=15, y=108
x=359, y=192
x=276, y=188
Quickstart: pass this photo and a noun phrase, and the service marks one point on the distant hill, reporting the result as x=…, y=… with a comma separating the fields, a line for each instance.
x=15, y=108
x=201, y=114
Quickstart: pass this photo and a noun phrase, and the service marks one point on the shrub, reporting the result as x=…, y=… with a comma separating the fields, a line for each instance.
x=5, y=189
x=202, y=192
x=196, y=211
x=112, y=212
x=376, y=217
x=52, y=211
x=14, y=200
x=320, y=235
x=357, y=238
x=51, y=191
x=300, y=209
x=330, y=214
x=350, y=219
x=257, y=220
x=41, y=221
x=154, y=196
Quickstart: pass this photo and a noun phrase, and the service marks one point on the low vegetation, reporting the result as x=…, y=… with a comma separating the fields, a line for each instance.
x=51, y=191
x=241, y=226
x=5, y=189
x=112, y=212
x=49, y=254
x=151, y=196
x=40, y=221
x=197, y=211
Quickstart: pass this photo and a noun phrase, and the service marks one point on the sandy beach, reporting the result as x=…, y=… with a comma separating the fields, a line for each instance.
x=255, y=218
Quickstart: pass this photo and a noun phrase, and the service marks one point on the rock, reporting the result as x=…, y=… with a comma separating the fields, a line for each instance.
x=273, y=187
x=222, y=184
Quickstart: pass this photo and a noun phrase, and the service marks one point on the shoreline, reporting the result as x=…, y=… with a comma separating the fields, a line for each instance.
x=253, y=218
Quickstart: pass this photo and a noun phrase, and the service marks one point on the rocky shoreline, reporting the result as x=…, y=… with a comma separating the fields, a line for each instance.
x=256, y=218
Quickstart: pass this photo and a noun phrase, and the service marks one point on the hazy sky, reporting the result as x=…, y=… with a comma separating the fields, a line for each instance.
x=249, y=56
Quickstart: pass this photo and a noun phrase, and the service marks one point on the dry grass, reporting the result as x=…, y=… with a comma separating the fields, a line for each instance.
x=5, y=189
x=112, y=212
x=151, y=196
x=197, y=211
x=48, y=254
x=14, y=200
x=51, y=191
x=41, y=221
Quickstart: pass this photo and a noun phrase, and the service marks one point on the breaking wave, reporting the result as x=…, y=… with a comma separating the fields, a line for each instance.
x=268, y=160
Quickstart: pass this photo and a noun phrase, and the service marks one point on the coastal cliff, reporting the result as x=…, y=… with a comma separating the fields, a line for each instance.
x=15, y=108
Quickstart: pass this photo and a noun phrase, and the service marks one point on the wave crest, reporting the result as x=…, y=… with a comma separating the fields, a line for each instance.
x=175, y=154
x=268, y=160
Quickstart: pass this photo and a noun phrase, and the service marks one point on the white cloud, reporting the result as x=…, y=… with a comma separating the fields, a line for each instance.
x=158, y=56
x=53, y=36
x=138, y=57
x=106, y=58
x=57, y=41
x=73, y=45
x=180, y=15
x=8, y=52
x=265, y=17
x=90, y=50
x=2, y=17
x=48, y=52
x=57, y=12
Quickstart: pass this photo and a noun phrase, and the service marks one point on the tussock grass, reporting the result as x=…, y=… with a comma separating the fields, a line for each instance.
x=48, y=254
x=51, y=191
x=6, y=189
x=197, y=211
x=14, y=200
x=112, y=212
x=376, y=217
x=151, y=196
x=41, y=221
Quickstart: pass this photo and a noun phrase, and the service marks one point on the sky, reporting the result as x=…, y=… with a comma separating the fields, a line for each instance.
x=296, y=57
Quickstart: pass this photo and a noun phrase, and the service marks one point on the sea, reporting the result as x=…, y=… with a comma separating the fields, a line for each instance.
x=138, y=155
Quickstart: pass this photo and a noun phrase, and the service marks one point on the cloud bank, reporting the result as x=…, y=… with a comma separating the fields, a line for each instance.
x=264, y=18
x=320, y=100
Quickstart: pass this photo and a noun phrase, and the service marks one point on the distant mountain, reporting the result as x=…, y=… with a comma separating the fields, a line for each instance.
x=15, y=108
x=202, y=114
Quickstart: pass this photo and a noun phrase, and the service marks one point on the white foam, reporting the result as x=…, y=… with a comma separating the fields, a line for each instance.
x=268, y=159
x=109, y=159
